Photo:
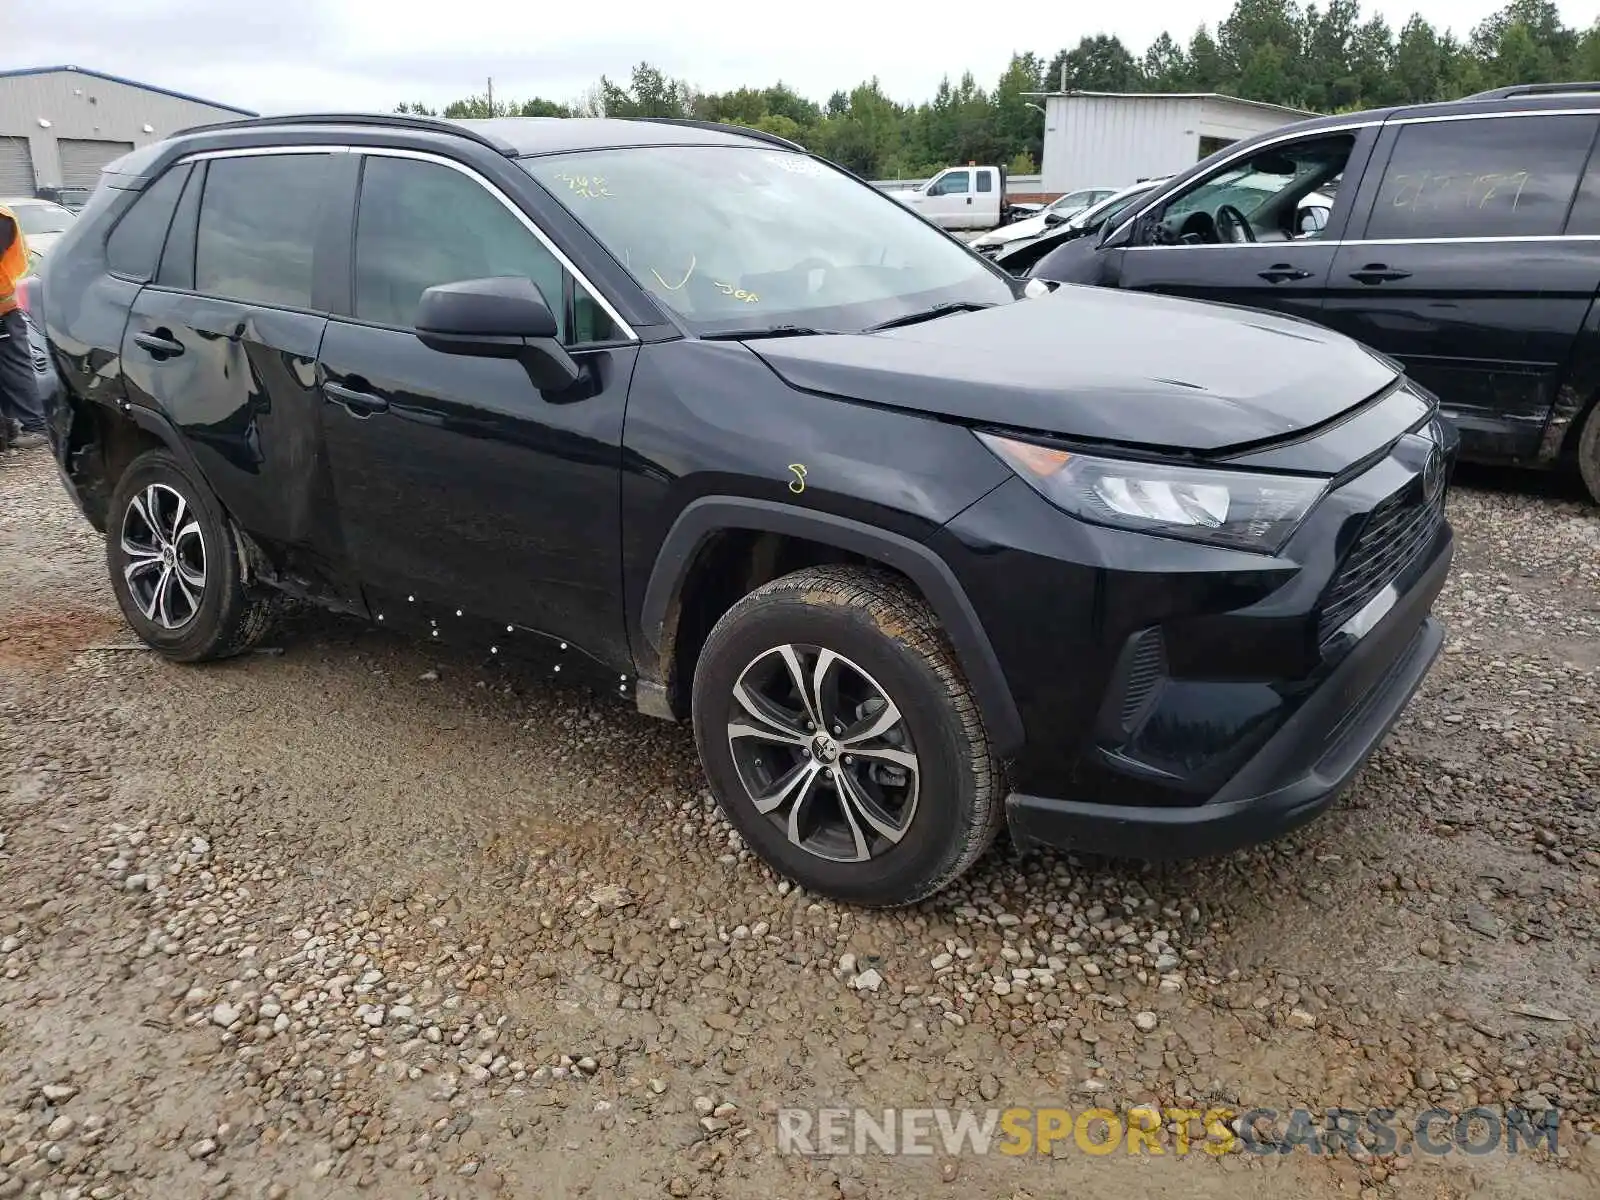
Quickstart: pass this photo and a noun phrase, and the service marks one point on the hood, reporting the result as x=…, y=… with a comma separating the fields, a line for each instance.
x=1026, y=227
x=1100, y=365
x=41, y=243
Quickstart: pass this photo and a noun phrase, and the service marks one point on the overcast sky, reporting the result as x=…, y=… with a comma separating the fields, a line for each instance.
x=298, y=55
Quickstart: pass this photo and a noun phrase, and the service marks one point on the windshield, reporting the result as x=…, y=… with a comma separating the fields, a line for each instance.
x=1112, y=206
x=42, y=218
x=1074, y=202
x=742, y=238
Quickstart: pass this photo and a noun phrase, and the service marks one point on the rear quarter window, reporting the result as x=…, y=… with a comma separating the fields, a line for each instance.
x=1489, y=177
x=134, y=247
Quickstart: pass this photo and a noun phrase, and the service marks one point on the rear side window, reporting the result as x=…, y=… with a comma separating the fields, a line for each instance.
x=134, y=247
x=985, y=182
x=258, y=225
x=1505, y=177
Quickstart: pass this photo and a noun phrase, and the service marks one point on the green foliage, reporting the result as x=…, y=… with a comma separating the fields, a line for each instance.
x=1322, y=56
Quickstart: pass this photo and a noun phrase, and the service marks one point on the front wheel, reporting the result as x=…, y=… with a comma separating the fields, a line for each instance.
x=174, y=564
x=841, y=739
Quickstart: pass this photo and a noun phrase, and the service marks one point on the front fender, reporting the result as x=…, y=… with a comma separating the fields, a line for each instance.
x=708, y=516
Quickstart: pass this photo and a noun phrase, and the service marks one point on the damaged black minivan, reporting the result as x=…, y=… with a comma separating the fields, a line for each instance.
x=688, y=412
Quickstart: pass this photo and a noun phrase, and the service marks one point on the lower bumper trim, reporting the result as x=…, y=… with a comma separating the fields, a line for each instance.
x=1231, y=821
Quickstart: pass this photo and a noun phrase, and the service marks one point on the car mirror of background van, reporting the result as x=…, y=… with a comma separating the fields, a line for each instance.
x=501, y=317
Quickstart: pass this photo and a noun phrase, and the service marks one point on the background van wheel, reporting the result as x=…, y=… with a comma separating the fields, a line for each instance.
x=1589, y=453
x=174, y=564
x=841, y=739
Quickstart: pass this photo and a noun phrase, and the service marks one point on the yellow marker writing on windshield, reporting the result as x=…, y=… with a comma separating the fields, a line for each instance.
x=798, y=483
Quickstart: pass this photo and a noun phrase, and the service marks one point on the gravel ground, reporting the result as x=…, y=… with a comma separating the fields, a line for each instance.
x=349, y=917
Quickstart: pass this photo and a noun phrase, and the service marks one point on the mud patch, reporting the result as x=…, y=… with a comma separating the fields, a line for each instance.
x=33, y=640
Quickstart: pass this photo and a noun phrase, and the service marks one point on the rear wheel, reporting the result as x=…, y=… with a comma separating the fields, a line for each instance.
x=841, y=739
x=174, y=563
x=1589, y=453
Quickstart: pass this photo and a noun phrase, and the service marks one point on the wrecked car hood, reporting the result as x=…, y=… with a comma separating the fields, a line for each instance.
x=1100, y=365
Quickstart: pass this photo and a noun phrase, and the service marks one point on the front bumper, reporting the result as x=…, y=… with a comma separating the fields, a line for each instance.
x=1180, y=699
x=1292, y=779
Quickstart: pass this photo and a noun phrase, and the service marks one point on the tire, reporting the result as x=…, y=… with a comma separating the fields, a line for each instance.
x=881, y=640
x=1589, y=453
x=205, y=613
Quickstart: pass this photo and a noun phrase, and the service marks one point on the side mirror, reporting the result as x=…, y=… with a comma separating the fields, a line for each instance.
x=500, y=317
x=1053, y=219
x=1313, y=219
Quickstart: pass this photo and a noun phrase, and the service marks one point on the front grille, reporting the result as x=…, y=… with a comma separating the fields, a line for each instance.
x=1397, y=530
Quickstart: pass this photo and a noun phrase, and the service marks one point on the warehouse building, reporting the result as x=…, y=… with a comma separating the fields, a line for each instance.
x=60, y=125
x=1111, y=139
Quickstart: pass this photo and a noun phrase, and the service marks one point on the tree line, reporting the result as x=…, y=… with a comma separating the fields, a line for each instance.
x=1322, y=59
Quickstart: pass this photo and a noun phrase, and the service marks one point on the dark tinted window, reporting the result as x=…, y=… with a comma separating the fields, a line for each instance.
x=1585, y=216
x=135, y=244
x=258, y=223
x=985, y=181
x=1512, y=176
x=177, y=259
x=421, y=224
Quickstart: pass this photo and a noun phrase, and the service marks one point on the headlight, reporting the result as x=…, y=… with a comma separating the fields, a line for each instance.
x=1243, y=509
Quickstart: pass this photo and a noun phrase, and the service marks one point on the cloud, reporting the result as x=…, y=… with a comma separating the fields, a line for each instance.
x=289, y=55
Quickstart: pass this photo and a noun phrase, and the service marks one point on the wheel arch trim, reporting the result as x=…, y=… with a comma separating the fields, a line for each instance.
x=710, y=515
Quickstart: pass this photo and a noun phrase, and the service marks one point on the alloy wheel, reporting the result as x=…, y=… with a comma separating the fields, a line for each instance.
x=166, y=556
x=823, y=752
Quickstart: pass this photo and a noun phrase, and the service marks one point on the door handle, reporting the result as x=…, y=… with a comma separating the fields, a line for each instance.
x=159, y=343
x=1374, y=273
x=357, y=404
x=1282, y=272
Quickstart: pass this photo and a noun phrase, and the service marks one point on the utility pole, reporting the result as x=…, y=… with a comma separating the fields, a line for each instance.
x=491, y=94
x=1063, y=75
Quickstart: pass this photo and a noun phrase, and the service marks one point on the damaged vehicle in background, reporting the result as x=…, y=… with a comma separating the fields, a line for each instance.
x=1016, y=255
x=1032, y=222
x=687, y=412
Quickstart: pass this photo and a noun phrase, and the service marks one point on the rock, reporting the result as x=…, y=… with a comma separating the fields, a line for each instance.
x=678, y=1187
x=1145, y=1022
x=657, y=1086
x=58, y=1092
x=61, y=1127
x=1539, y=1012
x=1299, y=1018
x=868, y=981
x=204, y=1148
x=224, y=1015
x=941, y=961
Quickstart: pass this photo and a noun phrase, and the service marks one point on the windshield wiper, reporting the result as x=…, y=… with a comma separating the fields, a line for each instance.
x=765, y=331
x=928, y=314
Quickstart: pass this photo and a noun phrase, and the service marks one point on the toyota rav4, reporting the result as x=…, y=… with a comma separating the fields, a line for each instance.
x=920, y=551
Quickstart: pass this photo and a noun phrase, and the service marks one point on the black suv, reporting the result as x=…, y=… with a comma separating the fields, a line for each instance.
x=1463, y=240
x=687, y=411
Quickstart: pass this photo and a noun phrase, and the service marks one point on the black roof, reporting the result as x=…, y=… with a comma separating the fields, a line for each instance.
x=521, y=136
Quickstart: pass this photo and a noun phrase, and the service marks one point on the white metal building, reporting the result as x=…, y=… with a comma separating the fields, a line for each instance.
x=1112, y=139
x=60, y=125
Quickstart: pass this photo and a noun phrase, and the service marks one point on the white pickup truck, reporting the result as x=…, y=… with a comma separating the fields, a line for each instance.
x=960, y=197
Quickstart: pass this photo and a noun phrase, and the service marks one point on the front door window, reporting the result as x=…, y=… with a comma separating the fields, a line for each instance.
x=1280, y=194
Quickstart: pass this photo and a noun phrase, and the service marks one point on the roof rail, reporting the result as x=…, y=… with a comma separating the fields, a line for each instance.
x=760, y=135
x=386, y=120
x=1535, y=89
